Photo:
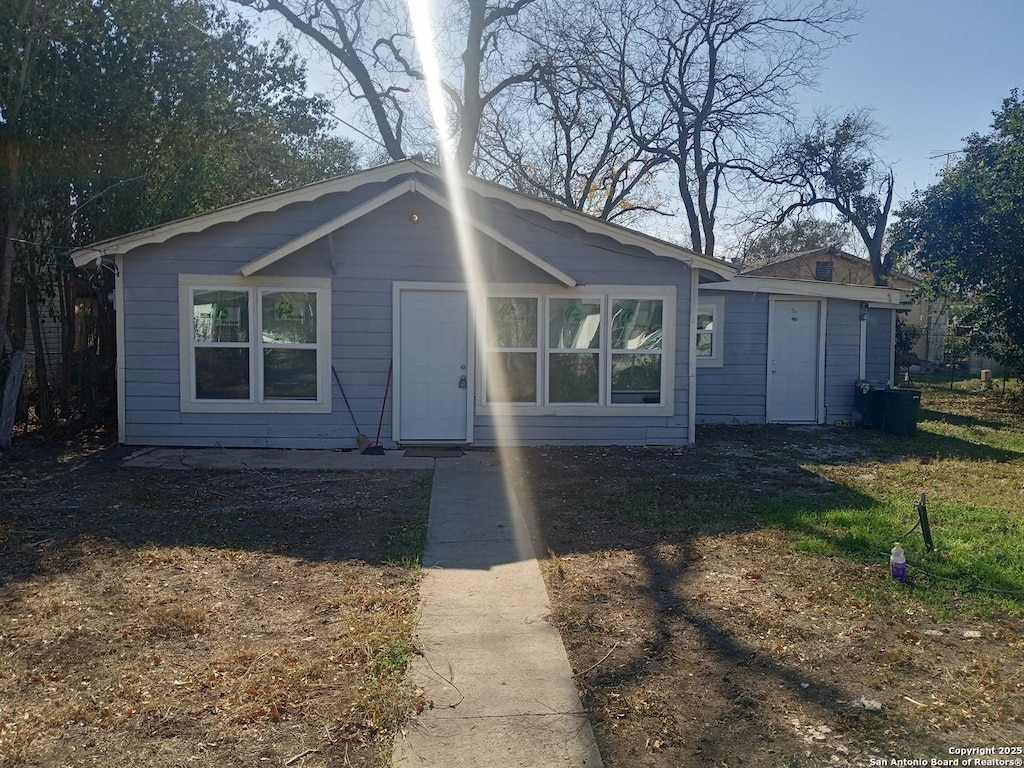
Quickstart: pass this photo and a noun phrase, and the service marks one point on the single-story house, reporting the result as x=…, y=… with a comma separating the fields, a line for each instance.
x=480, y=316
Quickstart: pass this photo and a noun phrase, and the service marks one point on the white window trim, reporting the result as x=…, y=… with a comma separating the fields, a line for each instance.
x=607, y=293
x=255, y=286
x=717, y=306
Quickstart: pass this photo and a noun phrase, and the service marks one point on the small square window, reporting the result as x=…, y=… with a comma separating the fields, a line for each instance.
x=710, y=337
x=823, y=271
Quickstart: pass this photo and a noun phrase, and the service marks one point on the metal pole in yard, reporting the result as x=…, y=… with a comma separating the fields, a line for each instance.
x=926, y=531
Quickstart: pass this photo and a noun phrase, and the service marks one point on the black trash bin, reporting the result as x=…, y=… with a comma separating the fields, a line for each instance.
x=867, y=404
x=900, y=409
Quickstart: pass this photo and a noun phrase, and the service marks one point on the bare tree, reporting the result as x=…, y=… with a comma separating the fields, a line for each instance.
x=834, y=164
x=708, y=84
x=373, y=50
x=566, y=138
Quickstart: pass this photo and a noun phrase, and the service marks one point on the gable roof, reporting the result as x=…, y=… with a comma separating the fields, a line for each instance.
x=392, y=193
x=385, y=174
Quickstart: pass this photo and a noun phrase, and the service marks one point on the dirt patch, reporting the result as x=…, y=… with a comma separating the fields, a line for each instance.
x=700, y=636
x=157, y=618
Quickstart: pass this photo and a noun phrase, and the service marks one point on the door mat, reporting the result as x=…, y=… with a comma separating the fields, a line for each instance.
x=433, y=453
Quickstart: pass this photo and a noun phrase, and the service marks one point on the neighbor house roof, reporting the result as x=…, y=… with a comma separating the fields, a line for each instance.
x=399, y=172
x=772, y=266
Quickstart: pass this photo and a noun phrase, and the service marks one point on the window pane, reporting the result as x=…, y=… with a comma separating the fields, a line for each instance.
x=221, y=316
x=705, y=320
x=222, y=373
x=289, y=374
x=636, y=378
x=511, y=322
x=704, y=345
x=575, y=324
x=573, y=378
x=289, y=317
x=636, y=324
x=511, y=377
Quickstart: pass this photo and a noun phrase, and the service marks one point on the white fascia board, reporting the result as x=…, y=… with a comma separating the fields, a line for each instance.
x=563, y=277
x=888, y=297
x=107, y=248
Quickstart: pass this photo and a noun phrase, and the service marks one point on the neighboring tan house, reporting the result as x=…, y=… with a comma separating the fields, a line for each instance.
x=831, y=265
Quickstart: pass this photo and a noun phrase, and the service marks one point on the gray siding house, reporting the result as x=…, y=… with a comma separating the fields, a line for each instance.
x=472, y=315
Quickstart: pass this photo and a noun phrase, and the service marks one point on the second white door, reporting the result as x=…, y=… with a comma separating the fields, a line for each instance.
x=793, y=344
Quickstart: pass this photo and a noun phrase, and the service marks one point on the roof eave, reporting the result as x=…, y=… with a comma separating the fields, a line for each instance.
x=812, y=288
x=236, y=212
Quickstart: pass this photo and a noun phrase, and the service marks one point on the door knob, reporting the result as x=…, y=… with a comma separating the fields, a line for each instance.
x=462, y=381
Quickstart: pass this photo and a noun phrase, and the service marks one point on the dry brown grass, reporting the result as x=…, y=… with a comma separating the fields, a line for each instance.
x=230, y=619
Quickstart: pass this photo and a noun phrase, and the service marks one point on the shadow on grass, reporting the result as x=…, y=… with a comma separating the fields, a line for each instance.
x=736, y=480
x=61, y=506
x=743, y=675
x=648, y=502
x=962, y=420
x=881, y=446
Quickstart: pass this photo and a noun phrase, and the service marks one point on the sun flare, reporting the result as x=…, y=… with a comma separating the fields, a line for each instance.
x=472, y=269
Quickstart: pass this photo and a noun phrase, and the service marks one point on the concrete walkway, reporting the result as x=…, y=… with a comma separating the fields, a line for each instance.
x=494, y=668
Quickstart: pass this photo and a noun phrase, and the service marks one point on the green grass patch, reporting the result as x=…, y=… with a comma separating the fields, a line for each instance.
x=390, y=656
x=839, y=493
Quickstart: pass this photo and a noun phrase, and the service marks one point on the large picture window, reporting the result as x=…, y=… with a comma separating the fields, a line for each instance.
x=606, y=350
x=254, y=345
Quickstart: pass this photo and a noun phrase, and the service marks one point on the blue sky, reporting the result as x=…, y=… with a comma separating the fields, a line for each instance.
x=932, y=71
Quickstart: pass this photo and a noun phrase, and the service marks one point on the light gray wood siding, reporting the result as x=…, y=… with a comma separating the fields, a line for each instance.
x=363, y=260
x=736, y=392
x=880, y=345
x=842, y=358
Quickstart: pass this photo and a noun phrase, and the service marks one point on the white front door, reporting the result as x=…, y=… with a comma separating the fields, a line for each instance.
x=433, y=366
x=793, y=342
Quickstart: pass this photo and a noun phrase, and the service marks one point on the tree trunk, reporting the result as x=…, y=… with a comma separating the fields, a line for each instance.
x=66, y=292
x=10, y=402
x=7, y=254
x=44, y=403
